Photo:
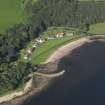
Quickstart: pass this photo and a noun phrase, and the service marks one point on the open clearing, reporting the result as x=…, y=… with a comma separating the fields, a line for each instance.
x=11, y=13
x=98, y=28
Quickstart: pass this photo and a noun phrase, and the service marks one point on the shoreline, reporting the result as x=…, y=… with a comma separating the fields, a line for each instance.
x=28, y=89
x=16, y=94
x=66, y=49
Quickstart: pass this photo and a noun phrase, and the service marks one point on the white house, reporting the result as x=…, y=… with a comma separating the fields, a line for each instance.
x=25, y=57
x=34, y=46
x=40, y=40
x=60, y=35
x=29, y=51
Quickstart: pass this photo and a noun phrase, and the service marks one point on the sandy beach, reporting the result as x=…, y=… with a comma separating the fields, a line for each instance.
x=66, y=49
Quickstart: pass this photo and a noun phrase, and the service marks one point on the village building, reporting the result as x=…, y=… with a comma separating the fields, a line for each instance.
x=70, y=34
x=39, y=40
x=29, y=51
x=60, y=35
x=25, y=57
x=34, y=45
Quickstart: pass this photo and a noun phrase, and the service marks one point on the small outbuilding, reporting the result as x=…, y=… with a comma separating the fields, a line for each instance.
x=60, y=35
x=29, y=51
x=40, y=40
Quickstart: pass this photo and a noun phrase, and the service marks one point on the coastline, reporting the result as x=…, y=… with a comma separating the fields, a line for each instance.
x=16, y=94
x=30, y=90
x=19, y=96
x=66, y=49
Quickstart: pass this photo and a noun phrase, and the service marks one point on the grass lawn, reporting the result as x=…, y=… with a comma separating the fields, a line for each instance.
x=98, y=28
x=11, y=13
x=47, y=48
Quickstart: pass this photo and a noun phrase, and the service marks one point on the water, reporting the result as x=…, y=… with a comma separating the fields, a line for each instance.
x=83, y=82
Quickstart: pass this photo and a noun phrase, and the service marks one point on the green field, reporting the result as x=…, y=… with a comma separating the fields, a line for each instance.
x=47, y=48
x=11, y=13
x=98, y=28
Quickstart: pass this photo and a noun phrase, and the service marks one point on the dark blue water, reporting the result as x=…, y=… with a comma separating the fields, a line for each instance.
x=83, y=82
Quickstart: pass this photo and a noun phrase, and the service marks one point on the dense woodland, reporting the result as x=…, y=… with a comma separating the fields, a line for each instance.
x=14, y=74
x=41, y=15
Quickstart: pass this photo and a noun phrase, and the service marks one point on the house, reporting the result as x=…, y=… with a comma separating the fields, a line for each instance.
x=69, y=33
x=60, y=35
x=39, y=40
x=34, y=45
x=29, y=51
x=25, y=57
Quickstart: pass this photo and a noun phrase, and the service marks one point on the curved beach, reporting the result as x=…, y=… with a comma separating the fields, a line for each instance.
x=83, y=82
x=66, y=49
x=82, y=60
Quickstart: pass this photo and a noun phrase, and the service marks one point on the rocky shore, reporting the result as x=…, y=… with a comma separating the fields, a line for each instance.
x=33, y=86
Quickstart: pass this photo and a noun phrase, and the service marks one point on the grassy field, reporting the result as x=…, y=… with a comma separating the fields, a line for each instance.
x=11, y=12
x=98, y=28
x=47, y=48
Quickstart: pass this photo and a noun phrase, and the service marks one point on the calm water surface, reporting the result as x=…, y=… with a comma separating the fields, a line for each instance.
x=83, y=82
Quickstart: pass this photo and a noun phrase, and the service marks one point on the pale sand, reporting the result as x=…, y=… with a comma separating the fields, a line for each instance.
x=66, y=49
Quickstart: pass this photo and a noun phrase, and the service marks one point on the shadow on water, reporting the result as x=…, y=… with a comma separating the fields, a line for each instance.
x=83, y=82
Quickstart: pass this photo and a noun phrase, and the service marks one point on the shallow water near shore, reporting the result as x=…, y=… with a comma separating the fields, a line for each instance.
x=84, y=80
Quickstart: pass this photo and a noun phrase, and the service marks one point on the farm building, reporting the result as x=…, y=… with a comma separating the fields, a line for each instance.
x=60, y=35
